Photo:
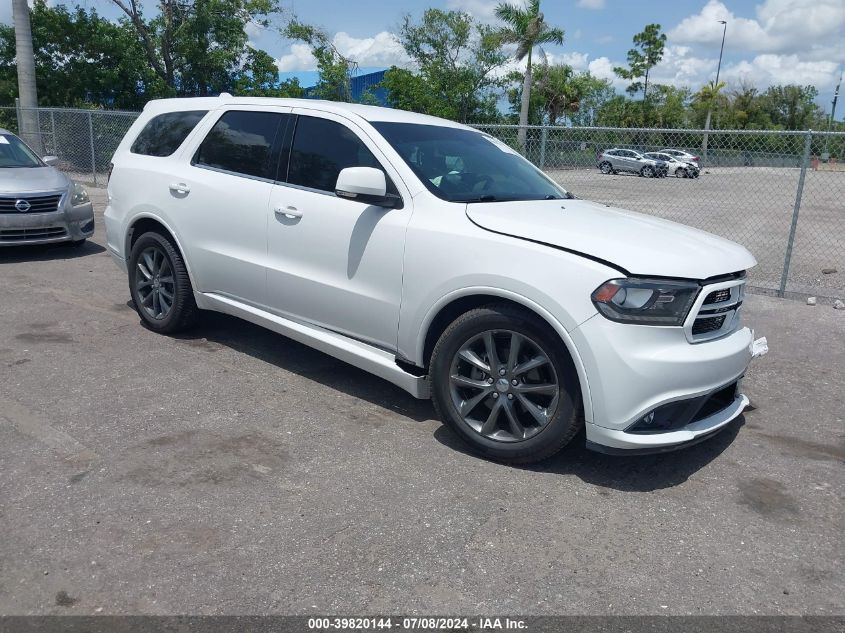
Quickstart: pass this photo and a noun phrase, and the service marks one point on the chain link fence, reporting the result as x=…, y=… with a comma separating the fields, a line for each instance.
x=780, y=194
x=83, y=140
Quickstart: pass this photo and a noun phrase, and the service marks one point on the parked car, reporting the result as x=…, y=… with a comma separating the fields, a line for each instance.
x=674, y=166
x=38, y=203
x=614, y=160
x=436, y=257
x=682, y=156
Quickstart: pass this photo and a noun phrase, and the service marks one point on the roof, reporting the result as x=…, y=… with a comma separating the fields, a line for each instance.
x=2, y=131
x=365, y=112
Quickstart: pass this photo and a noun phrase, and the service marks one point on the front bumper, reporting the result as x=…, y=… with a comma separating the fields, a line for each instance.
x=66, y=225
x=636, y=370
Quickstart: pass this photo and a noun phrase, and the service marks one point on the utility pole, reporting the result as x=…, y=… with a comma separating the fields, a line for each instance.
x=715, y=86
x=825, y=155
x=28, y=96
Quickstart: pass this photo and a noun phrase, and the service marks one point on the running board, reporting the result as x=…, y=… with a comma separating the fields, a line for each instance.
x=366, y=357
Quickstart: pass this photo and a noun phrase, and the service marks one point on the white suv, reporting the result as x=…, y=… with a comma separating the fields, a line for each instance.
x=437, y=258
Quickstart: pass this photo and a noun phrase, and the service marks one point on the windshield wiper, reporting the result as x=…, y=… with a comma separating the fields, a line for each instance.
x=484, y=198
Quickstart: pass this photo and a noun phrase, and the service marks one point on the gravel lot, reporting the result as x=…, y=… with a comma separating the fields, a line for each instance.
x=750, y=205
x=234, y=471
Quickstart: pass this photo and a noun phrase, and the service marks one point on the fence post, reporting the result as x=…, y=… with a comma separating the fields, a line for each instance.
x=808, y=140
x=53, y=128
x=91, y=138
x=544, y=134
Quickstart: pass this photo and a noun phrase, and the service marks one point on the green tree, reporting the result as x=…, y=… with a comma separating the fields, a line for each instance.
x=198, y=47
x=595, y=93
x=792, y=107
x=456, y=60
x=335, y=70
x=81, y=58
x=646, y=54
x=526, y=27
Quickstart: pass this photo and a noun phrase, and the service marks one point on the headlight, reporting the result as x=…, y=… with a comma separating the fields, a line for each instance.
x=646, y=301
x=79, y=196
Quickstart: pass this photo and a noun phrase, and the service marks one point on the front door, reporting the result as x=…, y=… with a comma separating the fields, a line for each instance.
x=334, y=262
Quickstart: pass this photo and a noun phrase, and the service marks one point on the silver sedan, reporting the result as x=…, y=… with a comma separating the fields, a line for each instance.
x=38, y=203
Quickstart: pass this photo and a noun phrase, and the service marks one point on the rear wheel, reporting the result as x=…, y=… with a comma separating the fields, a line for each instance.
x=606, y=167
x=159, y=284
x=502, y=382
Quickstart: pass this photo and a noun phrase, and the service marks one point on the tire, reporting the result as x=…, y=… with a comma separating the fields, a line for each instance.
x=681, y=173
x=78, y=243
x=458, y=383
x=647, y=172
x=153, y=256
x=606, y=168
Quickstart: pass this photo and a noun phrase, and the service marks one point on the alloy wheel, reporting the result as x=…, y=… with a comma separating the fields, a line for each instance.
x=154, y=283
x=504, y=385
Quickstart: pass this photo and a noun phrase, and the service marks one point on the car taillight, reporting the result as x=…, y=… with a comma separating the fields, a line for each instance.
x=695, y=157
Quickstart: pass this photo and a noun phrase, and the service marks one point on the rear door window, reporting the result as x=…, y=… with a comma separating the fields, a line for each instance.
x=163, y=134
x=244, y=142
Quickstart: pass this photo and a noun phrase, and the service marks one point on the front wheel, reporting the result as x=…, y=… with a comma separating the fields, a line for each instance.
x=502, y=382
x=159, y=284
x=681, y=173
x=647, y=172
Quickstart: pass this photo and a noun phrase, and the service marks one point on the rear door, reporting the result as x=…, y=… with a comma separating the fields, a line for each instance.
x=223, y=192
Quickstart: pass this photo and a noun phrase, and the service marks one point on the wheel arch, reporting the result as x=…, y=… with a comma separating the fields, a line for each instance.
x=145, y=223
x=450, y=307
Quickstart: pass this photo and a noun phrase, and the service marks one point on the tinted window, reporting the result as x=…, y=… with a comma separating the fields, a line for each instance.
x=242, y=142
x=321, y=148
x=164, y=133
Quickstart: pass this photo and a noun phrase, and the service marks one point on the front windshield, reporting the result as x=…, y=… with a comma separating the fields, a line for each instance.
x=14, y=153
x=466, y=166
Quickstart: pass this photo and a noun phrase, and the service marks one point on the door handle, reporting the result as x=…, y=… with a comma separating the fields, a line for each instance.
x=288, y=212
x=180, y=187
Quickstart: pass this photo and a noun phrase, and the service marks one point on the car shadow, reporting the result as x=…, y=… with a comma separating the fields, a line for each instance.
x=242, y=336
x=48, y=252
x=635, y=473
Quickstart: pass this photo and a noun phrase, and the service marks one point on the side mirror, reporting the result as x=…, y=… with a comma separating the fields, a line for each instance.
x=365, y=184
x=51, y=161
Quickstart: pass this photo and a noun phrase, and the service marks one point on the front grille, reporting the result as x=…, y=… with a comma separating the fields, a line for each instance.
x=708, y=324
x=24, y=235
x=38, y=204
x=718, y=296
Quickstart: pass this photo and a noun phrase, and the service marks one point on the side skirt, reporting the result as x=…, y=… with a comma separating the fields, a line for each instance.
x=366, y=357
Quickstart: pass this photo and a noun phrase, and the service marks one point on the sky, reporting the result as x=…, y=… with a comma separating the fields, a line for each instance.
x=767, y=42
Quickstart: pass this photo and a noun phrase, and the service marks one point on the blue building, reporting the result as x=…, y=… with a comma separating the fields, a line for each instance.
x=362, y=85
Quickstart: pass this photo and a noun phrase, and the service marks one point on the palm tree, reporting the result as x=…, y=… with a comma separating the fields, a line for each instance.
x=27, y=93
x=708, y=95
x=526, y=28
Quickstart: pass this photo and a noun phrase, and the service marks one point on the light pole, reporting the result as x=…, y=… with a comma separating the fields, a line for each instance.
x=724, y=23
x=825, y=155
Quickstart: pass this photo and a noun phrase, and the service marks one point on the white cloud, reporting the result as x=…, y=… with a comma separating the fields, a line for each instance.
x=781, y=26
x=591, y=4
x=380, y=50
x=481, y=10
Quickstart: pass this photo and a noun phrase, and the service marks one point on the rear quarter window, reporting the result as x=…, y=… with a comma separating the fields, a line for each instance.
x=163, y=134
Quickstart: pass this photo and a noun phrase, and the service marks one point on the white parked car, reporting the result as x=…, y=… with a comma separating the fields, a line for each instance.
x=681, y=155
x=437, y=258
x=674, y=166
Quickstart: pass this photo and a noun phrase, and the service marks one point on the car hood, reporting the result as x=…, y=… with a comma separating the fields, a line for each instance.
x=32, y=179
x=638, y=244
